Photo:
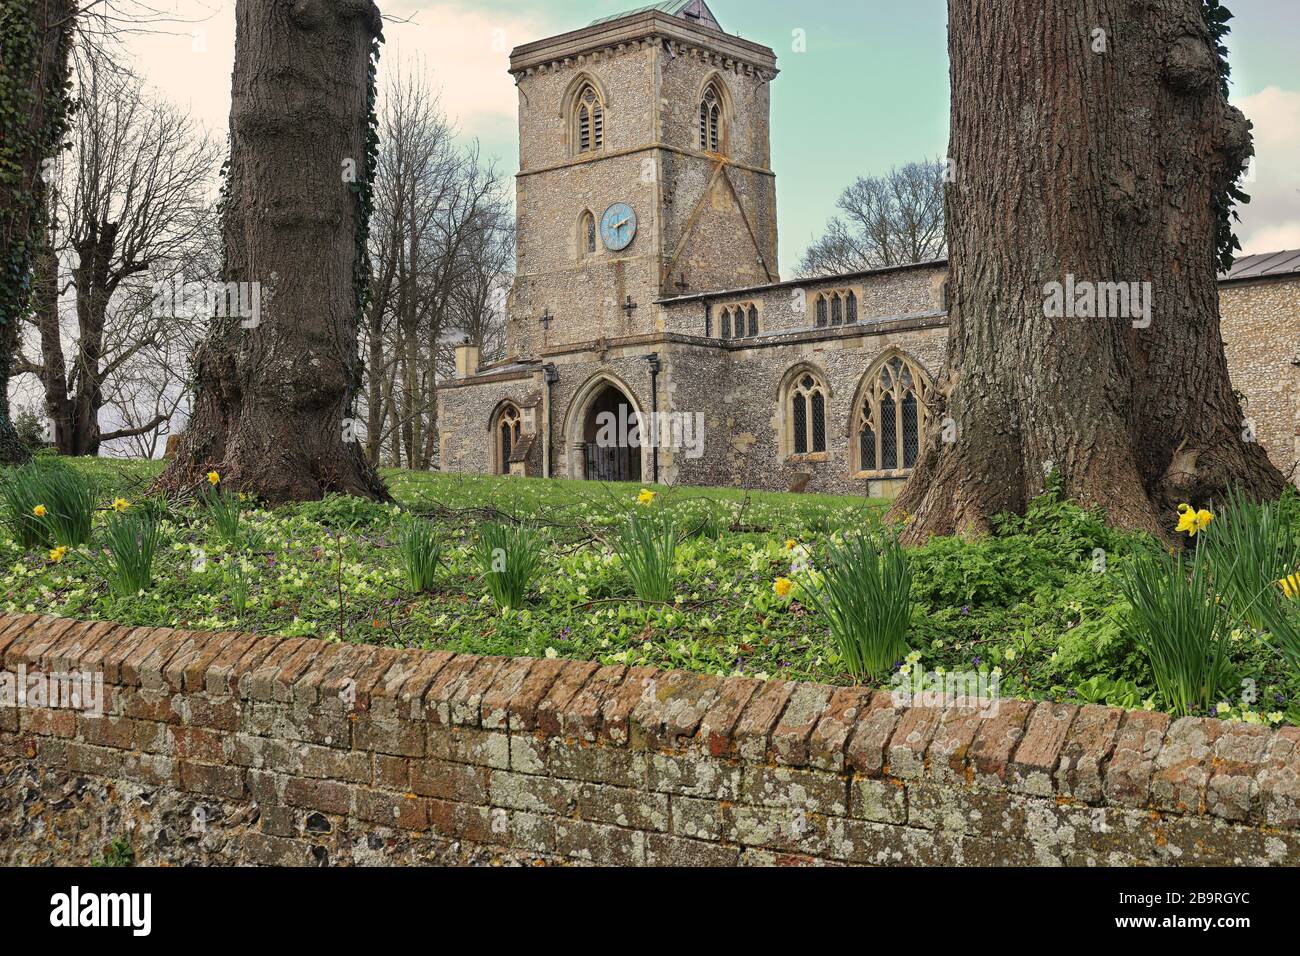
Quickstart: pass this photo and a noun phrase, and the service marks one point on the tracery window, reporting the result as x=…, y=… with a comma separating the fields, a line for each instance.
x=507, y=431
x=806, y=414
x=891, y=417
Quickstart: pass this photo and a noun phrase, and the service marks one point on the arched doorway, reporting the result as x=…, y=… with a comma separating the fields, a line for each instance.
x=603, y=434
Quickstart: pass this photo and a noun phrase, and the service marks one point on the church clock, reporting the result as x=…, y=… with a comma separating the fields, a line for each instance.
x=618, y=227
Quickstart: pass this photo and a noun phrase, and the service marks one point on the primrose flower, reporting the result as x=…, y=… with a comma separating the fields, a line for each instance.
x=39, y=511
x=56, y=554
x=647, y=497
x=1290, y=585
x=213, y=478
x=782, y=586
x=1011, y=654
x=1223, y=707
x=120, y=505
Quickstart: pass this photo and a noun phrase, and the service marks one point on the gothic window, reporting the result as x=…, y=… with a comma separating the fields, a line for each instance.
x=507, y=431
x=711, y=121
x=806, y=407
x=891, y=418
x=726, y=323
x=587, y=234
x=753, y=320
x=837, y=307
x=590, y=120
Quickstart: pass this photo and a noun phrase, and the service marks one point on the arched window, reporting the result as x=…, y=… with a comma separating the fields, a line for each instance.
x=506, y=431
x=587, y=235
x=753, y=320
x=589, y=120
x=806, y=414
x=850, y=308
x=726, y=323
x=711, y=120
x=891, y=417
x=821, y=311
x=837, y=307
x=837, y=310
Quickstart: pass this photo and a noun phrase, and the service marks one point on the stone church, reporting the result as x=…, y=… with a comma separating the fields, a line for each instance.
x=647, y=291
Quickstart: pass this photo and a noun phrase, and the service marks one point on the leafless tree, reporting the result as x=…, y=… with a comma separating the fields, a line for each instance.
x=440, y=252
x=887, y=220
x=131, y=210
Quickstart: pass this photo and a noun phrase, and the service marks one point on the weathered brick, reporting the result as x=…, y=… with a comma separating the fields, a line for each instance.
x=437, y=700
x=200, y=710
x=381, y=735
x=1238, y=757
x=787, y=829
x=117, y=732
x=327, y=796
x=13, y=628
x=150, y=640
x=624, y=807
x=450, y=781
x=882, y=801
x=815, y=791
x=466, y=702
x=295, y=667
x=947, y=758
x=85, y=758
x=1279, y=780
x=392, y=773
x=305, y=690
x=799, y=719
x=669, y=716
x=518, y=791
x=404, y=811
x=911, y=739
x=622, y=768
x=698, y=777
x=216, y=678
x=997, y=739
x=486, y=748
x=1183, y=767
x=66, y=654
x=697, y=819
x=191, y=675
x=1034, y=766
x=616, y=712
x=869, y=742
x=211, y=779
x=831, y=735
x=572, y=678
x=580, y=717
x=718, y=725
x=45, y=722
x=761, y=716
x=1087, y=748
x=599, y=843
x=146, y=669
x=30, y=645
x=494, y=709
x=408, y=694
x=521, y=707
x=668, y=851
x=1128, y=771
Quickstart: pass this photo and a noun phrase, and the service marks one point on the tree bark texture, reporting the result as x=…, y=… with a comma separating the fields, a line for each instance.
x=274, y=401
x=1096, y=155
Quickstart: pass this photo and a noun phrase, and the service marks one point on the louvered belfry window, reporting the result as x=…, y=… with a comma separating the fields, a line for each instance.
x=807, y=416
x=711, y=121
x=591, y=121
x=891, y=418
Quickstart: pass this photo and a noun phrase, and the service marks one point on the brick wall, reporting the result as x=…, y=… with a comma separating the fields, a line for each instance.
x=230, y=749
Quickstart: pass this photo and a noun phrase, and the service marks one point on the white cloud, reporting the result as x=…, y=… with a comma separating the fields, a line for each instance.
x=1272, y=219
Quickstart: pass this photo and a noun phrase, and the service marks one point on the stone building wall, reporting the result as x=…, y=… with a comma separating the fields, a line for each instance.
x=232, y=749
x=1261, y=336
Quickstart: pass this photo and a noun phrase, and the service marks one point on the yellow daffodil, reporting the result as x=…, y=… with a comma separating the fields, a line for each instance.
x=213, y=478
x=782, y=586
x=56, y=554
x=647, y=497
x=1290, y=585
x=1193, y=522
x=791, y=544
x=120, y=505
x=39, y=511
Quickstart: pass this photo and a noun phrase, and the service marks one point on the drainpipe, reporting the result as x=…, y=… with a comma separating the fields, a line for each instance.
x=550, y=375
x=655, y=367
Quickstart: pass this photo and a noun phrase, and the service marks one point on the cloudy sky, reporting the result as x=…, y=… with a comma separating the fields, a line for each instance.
x=893, y=52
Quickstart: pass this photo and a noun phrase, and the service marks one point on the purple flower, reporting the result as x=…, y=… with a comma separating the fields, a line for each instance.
x=977, y=660
x=965, y=610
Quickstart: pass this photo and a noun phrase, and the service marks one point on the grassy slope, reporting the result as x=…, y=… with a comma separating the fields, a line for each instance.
x=1026, y=603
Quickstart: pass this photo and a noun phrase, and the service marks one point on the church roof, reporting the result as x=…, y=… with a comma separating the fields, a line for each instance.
x=1264, y=266
x=694, y=10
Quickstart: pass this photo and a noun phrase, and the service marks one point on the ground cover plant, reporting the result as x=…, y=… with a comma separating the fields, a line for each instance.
x=718, y=581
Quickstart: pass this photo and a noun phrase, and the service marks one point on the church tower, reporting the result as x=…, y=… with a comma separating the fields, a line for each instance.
x=645, y=173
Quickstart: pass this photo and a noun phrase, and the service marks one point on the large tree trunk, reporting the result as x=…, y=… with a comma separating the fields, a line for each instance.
x=37, y=40
x=275, y=401
x=1104, y=166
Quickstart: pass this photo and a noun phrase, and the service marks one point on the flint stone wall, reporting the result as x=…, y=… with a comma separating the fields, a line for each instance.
x=236, y=749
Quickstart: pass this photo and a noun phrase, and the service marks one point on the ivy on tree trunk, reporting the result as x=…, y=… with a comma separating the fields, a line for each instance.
x=1092, y=144
x=274, y=407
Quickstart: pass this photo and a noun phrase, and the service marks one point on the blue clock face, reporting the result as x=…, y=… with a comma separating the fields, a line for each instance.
x=618, y=227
